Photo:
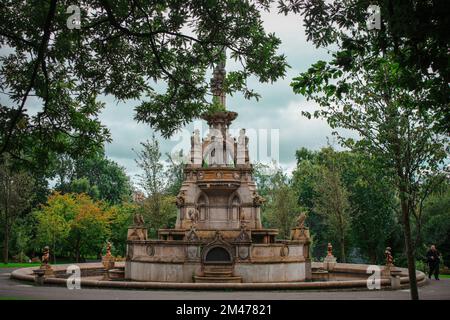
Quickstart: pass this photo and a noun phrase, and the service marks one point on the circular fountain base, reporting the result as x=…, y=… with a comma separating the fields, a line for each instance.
x=344, y=276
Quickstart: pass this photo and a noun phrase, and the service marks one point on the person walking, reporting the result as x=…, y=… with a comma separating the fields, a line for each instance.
x=433, y=259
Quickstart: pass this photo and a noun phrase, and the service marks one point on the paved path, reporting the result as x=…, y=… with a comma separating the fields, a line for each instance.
x=13, y=289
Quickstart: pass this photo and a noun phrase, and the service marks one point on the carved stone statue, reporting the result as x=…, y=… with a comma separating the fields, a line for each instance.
x=389, y=257
x=257, y=199
x=194, y=215
x=192, y=234
x=196, y=137
x=181, y=199
x=108, y=259
x=329, y=250
x=45, y=256
x=108, y=249
x=330, y=261
x=243, y=235
x=45, y=267
x=138, y=220
x=301, y=220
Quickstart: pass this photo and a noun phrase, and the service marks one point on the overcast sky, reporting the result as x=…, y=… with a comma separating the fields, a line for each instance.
x=279, y=108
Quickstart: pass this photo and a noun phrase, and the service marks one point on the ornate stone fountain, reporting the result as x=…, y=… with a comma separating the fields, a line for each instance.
x=218, y=236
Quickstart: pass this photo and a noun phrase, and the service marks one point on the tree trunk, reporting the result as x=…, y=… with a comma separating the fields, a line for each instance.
x=6, y=243
x=372, y=256
x=342, y=243
x=409, y=248
x=77, y=251
x=54, y=250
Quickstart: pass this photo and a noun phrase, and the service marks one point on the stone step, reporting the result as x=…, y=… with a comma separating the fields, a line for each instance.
x=229, y=279
x=218, y=273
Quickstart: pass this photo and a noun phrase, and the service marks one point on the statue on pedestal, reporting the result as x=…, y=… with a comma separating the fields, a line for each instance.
x=138, y=220
x=330, y=261
x=137, y=231
x=301, y=220
x=330, y=250
x=45, y=256
x=108, y=259
x=48, y=271
x=389, y=257
x=300, y=232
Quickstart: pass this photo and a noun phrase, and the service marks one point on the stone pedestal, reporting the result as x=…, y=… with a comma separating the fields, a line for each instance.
x=299, y=233
x=48, y=270
x=395, y=282
x=329, y=262
x=137, y=233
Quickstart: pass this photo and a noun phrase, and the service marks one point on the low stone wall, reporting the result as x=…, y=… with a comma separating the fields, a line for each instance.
x=26, y=274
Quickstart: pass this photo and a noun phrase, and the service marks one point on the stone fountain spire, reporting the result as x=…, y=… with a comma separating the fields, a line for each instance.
x=217, y=81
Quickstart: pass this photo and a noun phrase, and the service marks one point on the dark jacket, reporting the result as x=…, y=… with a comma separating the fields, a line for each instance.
x=433, y=256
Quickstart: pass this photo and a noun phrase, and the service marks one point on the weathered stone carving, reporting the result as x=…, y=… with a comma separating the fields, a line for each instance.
x=284, y=251
x=108, y=259
x=329, y=250
x=243, y=235
x=389, y=257
x=257, y=199
x=181, y=198
x=192, y=234
x=301, y=220
x=150, y=250
x=194, y=215
x=138, y=220
x=330, y=261
x=244, y=252
x=45, y=266
x=45, y=256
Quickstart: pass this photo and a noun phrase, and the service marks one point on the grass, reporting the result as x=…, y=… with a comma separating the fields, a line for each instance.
x=12, y=298
x=18, y=265
x=444, y=276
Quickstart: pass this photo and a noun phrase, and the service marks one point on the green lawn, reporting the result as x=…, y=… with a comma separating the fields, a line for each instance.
x=18, y=265
x=444, y=276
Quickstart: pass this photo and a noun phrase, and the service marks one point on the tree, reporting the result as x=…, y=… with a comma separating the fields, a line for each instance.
x=84, y=186
x=73, y=223
x=15, y=197
x=52, y=228
x=122, y=49
x=96, y=175
x=414, y=32
x=369, y=95
x=149, y=160
x=281, y=209
x=175, y=172
x=332, y=202
x=436, y=230
x=159, y=211
x=121, y=219
x=371, y=197
x=373, y=203
x=90, y=227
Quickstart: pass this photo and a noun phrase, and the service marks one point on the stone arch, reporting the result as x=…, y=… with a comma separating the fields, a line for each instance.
x=217, y=254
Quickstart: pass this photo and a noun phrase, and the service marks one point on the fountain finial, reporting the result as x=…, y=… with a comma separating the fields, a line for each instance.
x=218, y=79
